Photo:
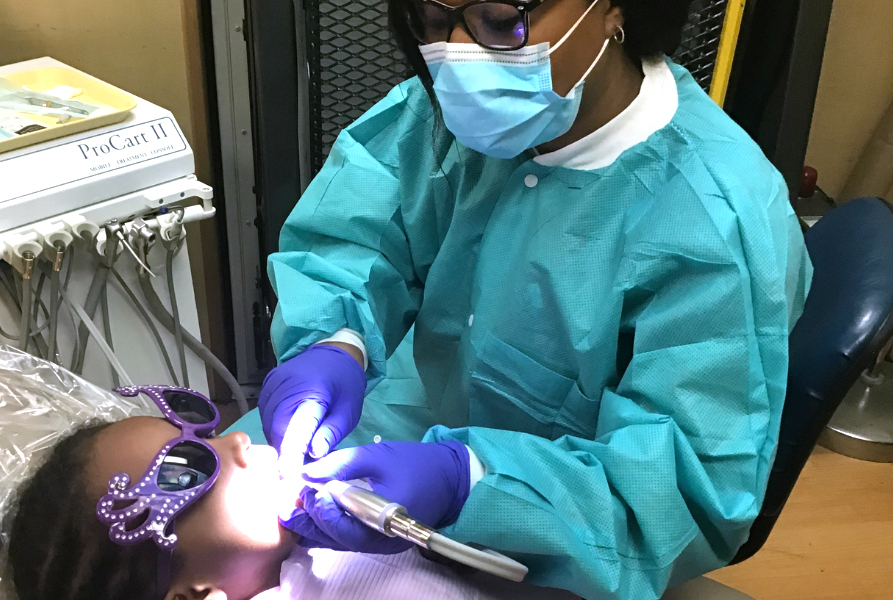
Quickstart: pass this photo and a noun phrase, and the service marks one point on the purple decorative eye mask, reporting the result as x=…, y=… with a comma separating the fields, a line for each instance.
x=124, y=506
x=144, y=510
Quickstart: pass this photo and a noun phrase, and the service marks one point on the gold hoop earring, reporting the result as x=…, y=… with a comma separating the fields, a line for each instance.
x=620, y=35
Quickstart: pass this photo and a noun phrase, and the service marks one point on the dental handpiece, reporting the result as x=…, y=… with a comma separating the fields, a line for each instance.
x=393, y=520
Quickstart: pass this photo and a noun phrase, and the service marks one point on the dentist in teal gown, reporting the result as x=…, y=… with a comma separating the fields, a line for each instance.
x=558, y=282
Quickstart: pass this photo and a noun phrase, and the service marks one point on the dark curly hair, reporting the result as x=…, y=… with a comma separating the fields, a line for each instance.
x=58, y=549
x=652, y=27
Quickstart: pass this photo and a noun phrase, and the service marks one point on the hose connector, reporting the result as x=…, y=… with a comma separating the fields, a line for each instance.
x=142, y=237
x=81, y=228
x=171, y=229
x=27, y=264
x=113, y=234
x=116, y=231
x=60, y=255
x=145, y=233
x=14, y=248
x=409, y=529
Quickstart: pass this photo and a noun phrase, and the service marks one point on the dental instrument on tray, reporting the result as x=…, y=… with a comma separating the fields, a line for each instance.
x=21, y=99
x=392, y=520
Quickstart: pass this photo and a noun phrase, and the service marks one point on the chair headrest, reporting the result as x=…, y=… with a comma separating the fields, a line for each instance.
x=851, y=296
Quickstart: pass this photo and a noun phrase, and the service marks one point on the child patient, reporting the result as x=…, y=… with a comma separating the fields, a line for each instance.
x=152, y=508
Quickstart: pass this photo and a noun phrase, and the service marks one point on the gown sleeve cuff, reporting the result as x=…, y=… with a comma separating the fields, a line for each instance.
x=349, y=336
x=478, y=469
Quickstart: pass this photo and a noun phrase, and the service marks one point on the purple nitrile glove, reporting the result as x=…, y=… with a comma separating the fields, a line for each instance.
x=432, y=480
x=311, y=402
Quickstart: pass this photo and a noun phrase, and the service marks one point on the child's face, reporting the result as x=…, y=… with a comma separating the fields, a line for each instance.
x=230, y=539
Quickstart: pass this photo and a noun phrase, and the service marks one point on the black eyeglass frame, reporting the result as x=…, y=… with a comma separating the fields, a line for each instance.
x=456, y=15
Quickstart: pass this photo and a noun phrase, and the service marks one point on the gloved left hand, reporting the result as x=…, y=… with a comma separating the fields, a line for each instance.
x=430, y=479
x=311, y=402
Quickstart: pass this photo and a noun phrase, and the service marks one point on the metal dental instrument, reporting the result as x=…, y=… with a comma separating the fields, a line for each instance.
x=21, y=99
x=393, y=520
x=118, y=232
x=45, y=102
x=142, y=238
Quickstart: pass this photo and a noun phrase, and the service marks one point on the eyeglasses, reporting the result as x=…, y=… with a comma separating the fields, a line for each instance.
x=493, y=24
x=181, y=472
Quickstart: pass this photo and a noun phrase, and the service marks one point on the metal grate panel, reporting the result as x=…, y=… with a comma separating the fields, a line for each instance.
x=700, y=40
x=354, y=63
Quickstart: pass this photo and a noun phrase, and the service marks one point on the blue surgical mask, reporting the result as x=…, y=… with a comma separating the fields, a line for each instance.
x=502, y=103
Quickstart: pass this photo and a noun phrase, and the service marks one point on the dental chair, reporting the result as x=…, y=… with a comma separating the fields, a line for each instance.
x=847, y=320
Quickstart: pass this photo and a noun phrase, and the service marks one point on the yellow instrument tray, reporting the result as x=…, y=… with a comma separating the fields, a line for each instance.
x=95, y=92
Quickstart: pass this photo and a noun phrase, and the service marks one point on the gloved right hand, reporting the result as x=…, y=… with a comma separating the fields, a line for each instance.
x=312, y=402
x=431, y=480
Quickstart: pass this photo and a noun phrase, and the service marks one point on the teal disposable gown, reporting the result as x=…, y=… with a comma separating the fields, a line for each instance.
x=612, y=344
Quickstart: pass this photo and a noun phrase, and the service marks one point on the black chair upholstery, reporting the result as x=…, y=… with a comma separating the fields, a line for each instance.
x=846, y=322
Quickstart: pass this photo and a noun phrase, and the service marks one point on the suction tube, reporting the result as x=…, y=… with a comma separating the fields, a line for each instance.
x=100, y=279
x=178, y=326
x=25, y=326
x=97, y=335
x=55, y=291
x=27, y=300
x=167, y=321
x=107, y=327
x=10, y=289
x=94, y=296
x=150, y=323
x=64, y=255
x=35, y=337
x=484, y=560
